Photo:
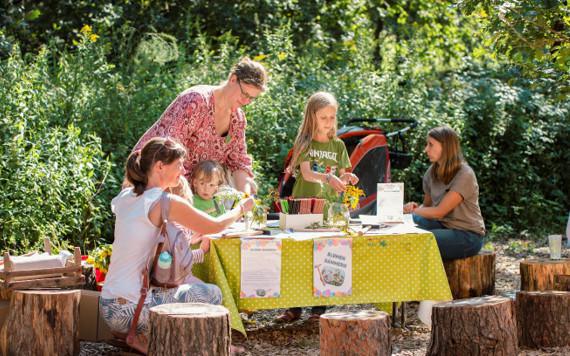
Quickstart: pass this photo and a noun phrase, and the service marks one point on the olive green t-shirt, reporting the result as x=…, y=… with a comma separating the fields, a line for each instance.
x=323, y=157
x=467, y=215
x=210, y=207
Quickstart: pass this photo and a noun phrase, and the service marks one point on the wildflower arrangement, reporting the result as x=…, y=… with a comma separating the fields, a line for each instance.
x=351, y=196
x=259, y=212
x=229, y=194
x=101, y=257
x=339, y=204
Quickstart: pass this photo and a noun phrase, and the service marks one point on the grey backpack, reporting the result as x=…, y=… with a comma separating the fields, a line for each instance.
x=174, y=240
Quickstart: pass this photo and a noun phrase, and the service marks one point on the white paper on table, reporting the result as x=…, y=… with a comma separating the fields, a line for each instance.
x=332, y=267
x=390, y=202
x=260, y=268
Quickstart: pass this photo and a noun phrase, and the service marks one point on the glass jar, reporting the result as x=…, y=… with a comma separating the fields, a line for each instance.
x=259, y=220
x=338, y=215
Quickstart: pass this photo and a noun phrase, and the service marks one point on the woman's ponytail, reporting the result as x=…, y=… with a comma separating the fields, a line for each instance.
x=135, y=175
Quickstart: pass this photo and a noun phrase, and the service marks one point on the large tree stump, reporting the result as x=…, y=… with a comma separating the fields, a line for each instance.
x=42, y=322
x=189, y=329
x=358, y=333
x=538, y=274
x=562, y=282
x=475, y=326
x=543, y=318
x=472, y=276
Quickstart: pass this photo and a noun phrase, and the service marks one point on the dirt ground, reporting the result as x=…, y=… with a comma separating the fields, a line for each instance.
x=265, y=337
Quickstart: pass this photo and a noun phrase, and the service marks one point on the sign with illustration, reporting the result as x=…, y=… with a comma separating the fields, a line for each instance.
x=260, y=268
x=332, y=272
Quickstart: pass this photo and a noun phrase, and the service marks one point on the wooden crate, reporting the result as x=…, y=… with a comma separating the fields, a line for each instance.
x=68, y=276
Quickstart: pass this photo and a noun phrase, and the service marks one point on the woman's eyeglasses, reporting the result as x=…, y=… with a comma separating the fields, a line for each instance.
x=245, y=94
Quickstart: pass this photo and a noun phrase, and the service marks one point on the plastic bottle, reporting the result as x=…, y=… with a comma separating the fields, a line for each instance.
x=162, y=273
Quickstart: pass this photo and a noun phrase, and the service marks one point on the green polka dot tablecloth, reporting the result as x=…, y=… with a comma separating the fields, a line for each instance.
x=387, y=268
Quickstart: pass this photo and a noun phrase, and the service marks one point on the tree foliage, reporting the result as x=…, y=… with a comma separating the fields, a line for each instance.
x=77, y=97
x=533, y=34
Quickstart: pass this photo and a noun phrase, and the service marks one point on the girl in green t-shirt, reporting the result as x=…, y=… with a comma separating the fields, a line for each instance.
x=321, y=160
x=207, y=176
x=319, y=156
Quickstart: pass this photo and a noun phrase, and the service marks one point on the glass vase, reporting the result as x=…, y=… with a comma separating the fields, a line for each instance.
x=259, y=220
x=338, y=215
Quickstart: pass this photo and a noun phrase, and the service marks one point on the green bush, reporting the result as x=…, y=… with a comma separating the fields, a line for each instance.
x=70, y=118
x=50, y=176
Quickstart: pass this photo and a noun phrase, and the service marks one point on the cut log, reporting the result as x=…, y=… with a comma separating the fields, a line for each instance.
x=365, y=332
x=538, y=274
x=475, y=326
x=42, y=322
x=562, y=282
x=543, y=318
x=472, y=276
x=189, y=329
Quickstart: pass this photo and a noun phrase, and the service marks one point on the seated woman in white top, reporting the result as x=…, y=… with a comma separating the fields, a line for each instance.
x=151, y=171
x=451, y=198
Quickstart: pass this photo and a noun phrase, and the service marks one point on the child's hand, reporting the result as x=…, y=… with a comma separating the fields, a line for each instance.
x=336, y=183
x=246, y=204
x=410, y=207
x=205, y=244
x=349, y=178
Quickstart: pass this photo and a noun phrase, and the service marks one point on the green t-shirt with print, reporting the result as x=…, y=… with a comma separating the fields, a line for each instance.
x=210, y=207
x=323, y=157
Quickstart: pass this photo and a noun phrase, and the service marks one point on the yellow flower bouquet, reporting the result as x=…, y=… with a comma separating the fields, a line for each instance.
x=101, y=257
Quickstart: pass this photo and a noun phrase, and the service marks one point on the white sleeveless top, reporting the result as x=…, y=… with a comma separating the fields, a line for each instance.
x=135, y=237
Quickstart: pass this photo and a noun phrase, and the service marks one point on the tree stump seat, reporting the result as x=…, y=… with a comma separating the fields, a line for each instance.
x=42, y=322
x=472, y=276
x=474, y=326
x=562, y=282
x=189, y=329
x=355, y=333
x=543, y=318
x=538, y=274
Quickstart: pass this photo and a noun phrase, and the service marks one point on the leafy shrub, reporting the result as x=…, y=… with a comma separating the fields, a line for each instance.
x=49, y=176
x=73, y=116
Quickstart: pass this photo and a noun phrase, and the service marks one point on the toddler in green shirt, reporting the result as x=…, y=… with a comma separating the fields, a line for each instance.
x=206, y=177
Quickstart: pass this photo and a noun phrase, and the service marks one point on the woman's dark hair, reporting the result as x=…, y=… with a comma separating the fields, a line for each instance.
x=250, y=72
x=451, y=155
x=140, y=162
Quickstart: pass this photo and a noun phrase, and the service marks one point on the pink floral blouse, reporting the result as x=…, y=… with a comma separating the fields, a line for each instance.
x=190, y=120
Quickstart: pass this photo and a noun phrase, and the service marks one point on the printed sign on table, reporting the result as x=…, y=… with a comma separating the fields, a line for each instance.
x=260, y=268
x=332, y=272
x=390, y=202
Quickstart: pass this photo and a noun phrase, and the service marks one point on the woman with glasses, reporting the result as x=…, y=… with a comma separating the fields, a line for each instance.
x=209, y=122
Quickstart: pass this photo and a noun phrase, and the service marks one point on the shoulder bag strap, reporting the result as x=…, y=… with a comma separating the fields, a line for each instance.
x=164, y=208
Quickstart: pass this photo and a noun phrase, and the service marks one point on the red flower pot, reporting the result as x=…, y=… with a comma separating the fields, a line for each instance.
x=99, y=278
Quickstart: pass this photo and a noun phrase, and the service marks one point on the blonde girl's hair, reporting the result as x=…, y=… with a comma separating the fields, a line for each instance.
x=208, y=170
x=451, y=155
x=308, y=127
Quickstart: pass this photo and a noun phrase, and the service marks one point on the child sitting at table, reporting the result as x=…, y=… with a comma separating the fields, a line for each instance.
x=319, y=162
x=450, y=208
x=206, y=177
